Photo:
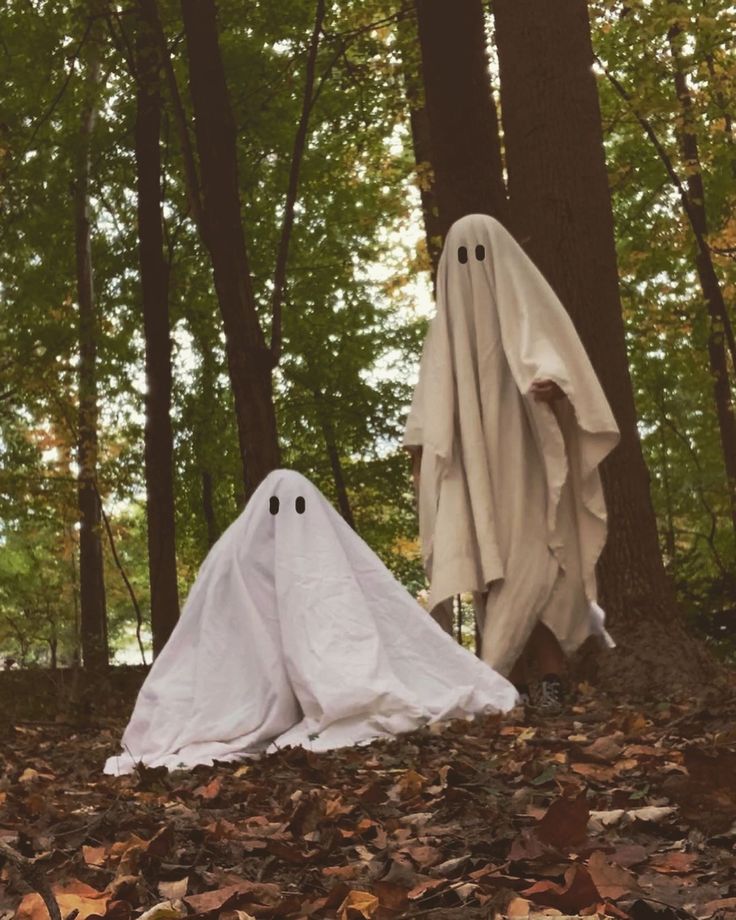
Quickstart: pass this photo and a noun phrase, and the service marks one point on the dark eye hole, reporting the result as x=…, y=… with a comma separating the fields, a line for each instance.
x=273, y=504
x=301, y=505
x=462, y=254
x=480, y=252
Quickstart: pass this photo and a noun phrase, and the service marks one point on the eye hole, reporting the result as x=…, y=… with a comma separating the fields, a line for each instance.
x=462, y=254
x=301, y=505
x=480, y=252
x=273, y=504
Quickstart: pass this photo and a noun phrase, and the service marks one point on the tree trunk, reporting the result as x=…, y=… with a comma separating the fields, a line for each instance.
x=463, y=125
x=249, y=359
x=204, y=430
x=208, y=509
x=561, y=212
x=159, y=447
x=709, y=283
x=93, y=614
x=328, y=433
x=419, y=123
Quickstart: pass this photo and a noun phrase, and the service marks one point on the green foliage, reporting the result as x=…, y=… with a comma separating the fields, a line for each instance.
x=664, y=310
x=351, y=333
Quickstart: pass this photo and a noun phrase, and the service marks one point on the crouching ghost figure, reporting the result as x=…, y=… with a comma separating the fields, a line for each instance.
x=295, y=633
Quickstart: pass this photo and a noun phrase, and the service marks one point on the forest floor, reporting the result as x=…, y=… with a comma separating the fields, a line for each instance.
x=608, y=810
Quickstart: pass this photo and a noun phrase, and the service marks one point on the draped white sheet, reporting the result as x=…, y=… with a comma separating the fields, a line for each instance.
x=510, y=499
x=295, y=633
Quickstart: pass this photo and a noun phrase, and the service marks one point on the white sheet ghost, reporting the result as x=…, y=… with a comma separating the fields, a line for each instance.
x=510, y=500
x=295, y=633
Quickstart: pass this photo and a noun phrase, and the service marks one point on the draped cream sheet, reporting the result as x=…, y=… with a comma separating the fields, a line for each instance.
x=510, y=499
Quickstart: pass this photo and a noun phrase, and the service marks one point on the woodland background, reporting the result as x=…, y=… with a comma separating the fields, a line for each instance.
x=219, y=229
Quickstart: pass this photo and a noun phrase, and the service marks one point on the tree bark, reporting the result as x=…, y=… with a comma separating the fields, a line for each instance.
x=421, y=143
x=93, y=614
x=712, y=293
x=333, y=454
x=249, y=359
x=463, y=125
x=208, y=508
x=561, y=212
x=159, y=446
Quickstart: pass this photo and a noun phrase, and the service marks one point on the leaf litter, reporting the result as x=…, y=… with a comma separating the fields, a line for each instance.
x=607, y=811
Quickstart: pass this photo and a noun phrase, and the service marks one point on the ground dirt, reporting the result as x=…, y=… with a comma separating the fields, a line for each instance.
x=614, y=809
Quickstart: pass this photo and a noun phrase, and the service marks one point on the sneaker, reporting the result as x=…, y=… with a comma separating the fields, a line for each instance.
x=547, y=696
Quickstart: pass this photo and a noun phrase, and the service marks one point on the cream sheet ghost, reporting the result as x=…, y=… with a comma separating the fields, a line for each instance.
x=510, y=500
x=295, y=633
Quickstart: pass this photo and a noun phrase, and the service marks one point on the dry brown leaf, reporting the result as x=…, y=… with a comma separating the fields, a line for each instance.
x=260, y=892
x=174, y=891
x=408, y=785
x=358, y=904
x=606, y=749
x=577, y=892
x=566, y=822
x=611, y=880
x=594, y=771
x=75, y=895
x=673, y=863
x=94, y=856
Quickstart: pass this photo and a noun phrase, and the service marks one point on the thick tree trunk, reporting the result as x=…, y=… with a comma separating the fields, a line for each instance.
x=249, y=359
x=561, y=212
x=93, y=613
x=159, y=447
x=463, y=126
x=709, y=283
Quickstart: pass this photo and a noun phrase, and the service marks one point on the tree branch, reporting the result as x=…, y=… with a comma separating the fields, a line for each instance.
x=32, y=874
x=118, y=563
x=702, y=244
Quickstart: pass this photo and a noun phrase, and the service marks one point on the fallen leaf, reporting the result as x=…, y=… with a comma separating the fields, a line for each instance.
x=408, y=785
x=565, y=823
x=245, y=890
x=606, y=749
x=166, y=910
x=74, y=896
x=577, y=892
x=174, y=891
x=358, y=904
x=653, y=814
x=611, y=880
x=673, y=863
x=94, y=856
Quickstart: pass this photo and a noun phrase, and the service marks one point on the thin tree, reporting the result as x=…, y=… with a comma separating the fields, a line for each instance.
x=159, y=447
x=562, y=214
x=93, y=617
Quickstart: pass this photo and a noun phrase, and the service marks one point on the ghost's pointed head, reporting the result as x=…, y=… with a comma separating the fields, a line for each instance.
x=286, y=492
x=466, y=270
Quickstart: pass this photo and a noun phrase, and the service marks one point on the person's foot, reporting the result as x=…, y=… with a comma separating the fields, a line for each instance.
x=524, y=695
x=546, y=697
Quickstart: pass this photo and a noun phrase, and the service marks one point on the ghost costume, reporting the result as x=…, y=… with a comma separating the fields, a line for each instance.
x=510, y=500
x=295, y=633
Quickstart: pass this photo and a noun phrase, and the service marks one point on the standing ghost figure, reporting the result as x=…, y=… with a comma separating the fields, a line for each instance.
x=295, y=633
x=510, y=500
